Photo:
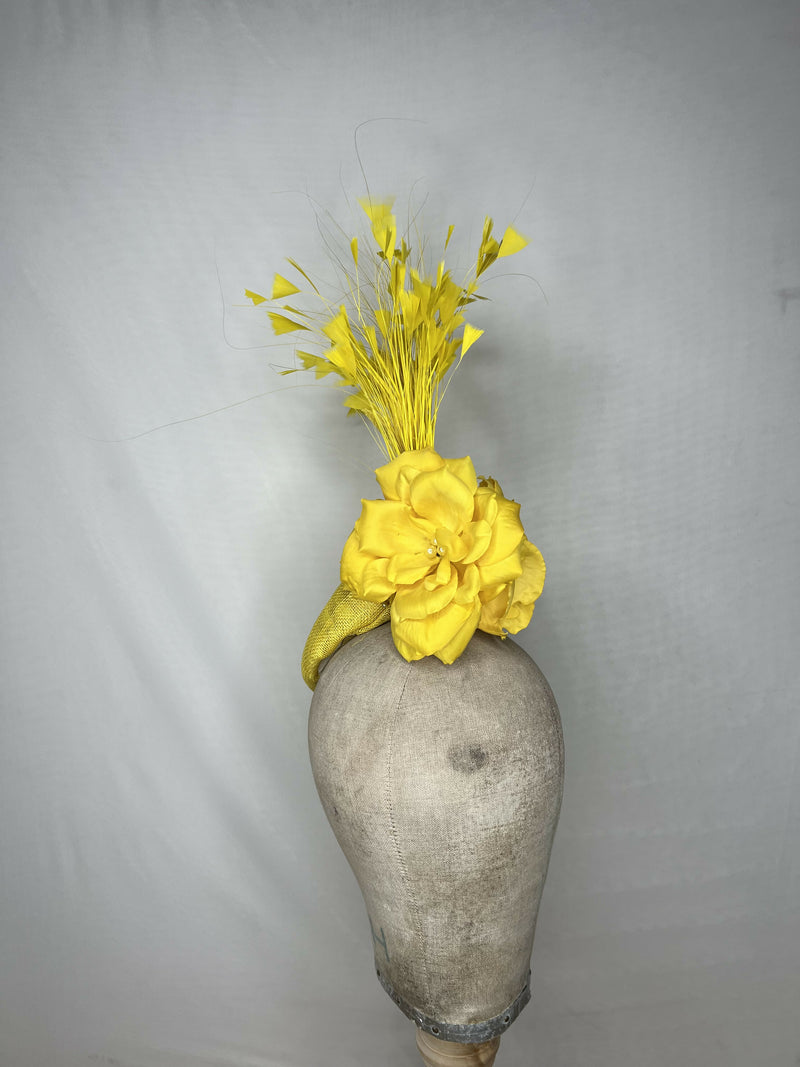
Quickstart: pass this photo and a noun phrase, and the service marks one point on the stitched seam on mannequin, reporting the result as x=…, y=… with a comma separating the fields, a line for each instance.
x=555, y=716
x=413, y=904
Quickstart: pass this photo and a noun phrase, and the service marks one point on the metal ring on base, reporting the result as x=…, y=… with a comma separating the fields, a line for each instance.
x=465, y=1033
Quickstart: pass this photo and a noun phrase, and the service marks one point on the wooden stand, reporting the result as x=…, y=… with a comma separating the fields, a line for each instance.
x=437, y=1053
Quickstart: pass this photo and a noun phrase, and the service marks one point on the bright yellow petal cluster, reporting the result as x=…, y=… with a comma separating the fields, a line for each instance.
x=449, y=553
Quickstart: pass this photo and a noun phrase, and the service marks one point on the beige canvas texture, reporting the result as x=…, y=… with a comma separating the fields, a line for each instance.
x=443, y=786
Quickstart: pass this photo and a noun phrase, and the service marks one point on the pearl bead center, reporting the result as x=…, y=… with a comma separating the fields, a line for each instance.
x=436, y=549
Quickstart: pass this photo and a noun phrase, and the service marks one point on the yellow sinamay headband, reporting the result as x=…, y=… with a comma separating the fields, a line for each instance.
x=444, y=552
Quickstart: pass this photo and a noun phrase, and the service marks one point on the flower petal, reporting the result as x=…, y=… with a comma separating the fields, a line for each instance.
x=476, y=536
x=353, y=563
x=443, y=572
x=442, y=498
x=363, y=573
x=406, y=568
x=386, y=528
x=453, y=545
x=465, y=470
x=450, y=652
x=375, y=583
x=505, y=570
x=470, y=584
x=435, y=632
x=418, y=602
x=527, y=589
x=493, y=611
x=394, y=477
x=407, y=651
x=507, y=532
x=485, y=505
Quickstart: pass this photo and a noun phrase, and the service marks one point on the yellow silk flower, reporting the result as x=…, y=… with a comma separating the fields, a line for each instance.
x=449, y=553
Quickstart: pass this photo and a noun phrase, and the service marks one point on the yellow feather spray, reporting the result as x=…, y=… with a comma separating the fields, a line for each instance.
x=398, y=334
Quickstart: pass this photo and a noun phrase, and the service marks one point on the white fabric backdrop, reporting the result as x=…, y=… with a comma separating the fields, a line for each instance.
x=171, y=893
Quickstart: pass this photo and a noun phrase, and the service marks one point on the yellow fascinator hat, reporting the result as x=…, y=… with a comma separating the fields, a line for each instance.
x=443, y=552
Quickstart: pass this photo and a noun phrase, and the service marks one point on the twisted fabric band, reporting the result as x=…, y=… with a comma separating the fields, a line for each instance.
x=344, y=616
